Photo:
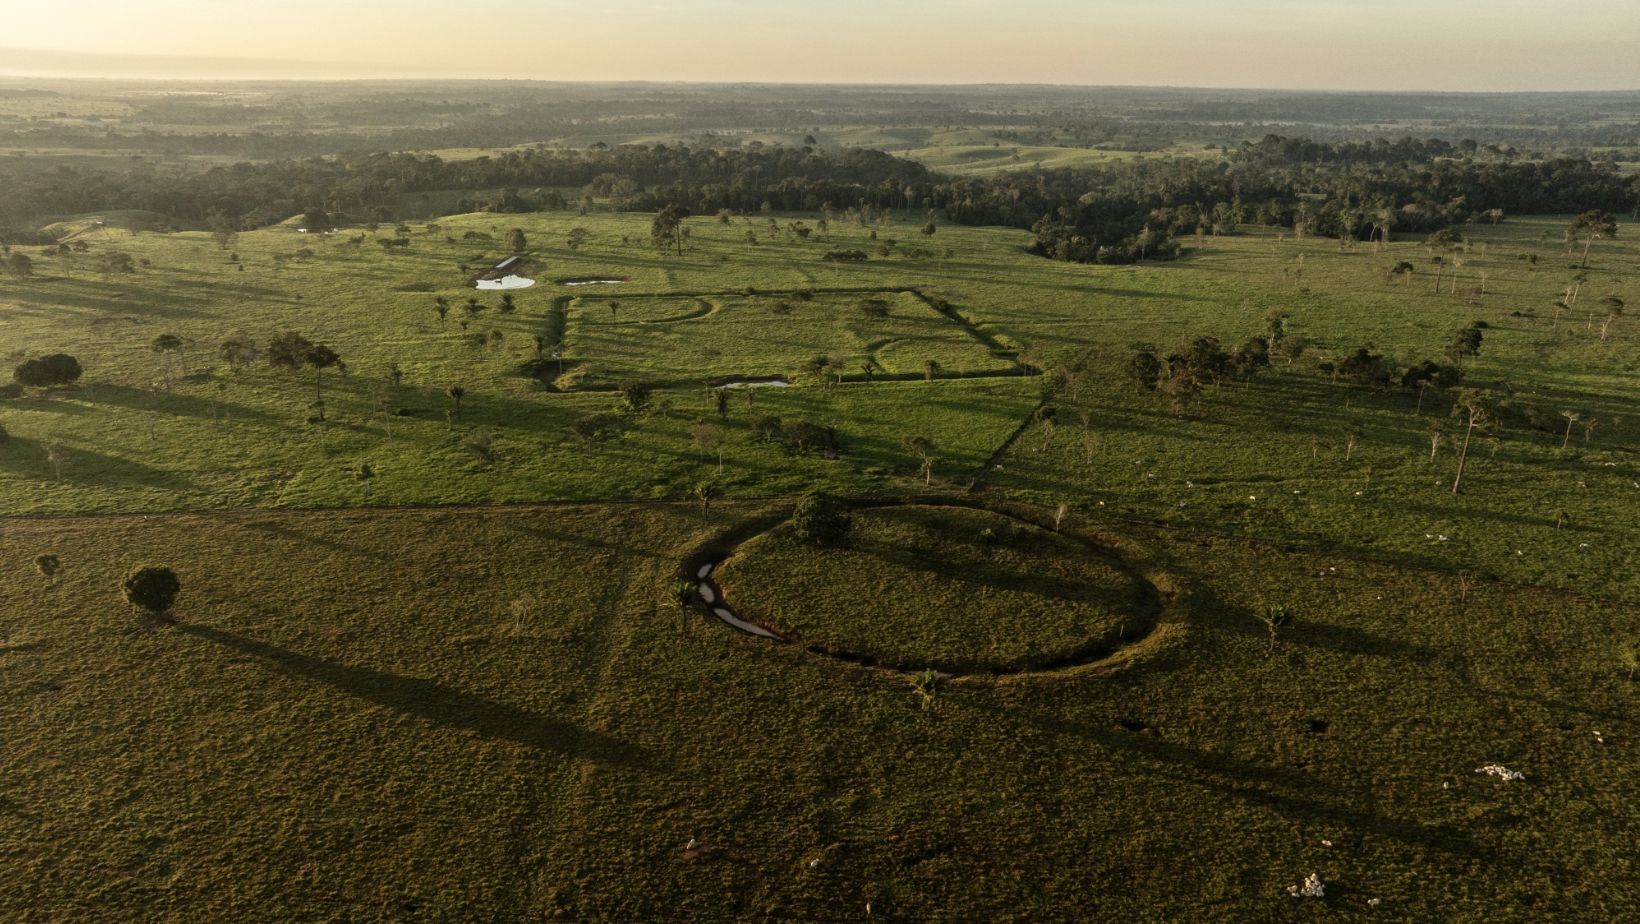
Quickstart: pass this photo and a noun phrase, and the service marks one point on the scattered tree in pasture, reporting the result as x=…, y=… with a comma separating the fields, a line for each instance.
x=167, y=346
x=239, y=351
x=441, y=305
x=508, y=304
x=1591, y=226
x=292, y=351
x=577, y=238
x=666, y=230
x=1437, y=429
x=54, y=458
x=1466, y=342
x=709, y=440
x=1477, y=411
x=1274, y=616
x=925, y=450
x=1352, y=434
x=705, y=492
x=473, y=306
x=366, y=477
x=516, y=241
x=1560, y=517
x=1405, y=270
x=720, y=401
x=1572, y=417
x=48, y=565
x=1614, y=310
x=19, y=265
x=595, y=429
x=455, y=393
x=153, y=588
x=931, y=368
x=1364, y=368
x=635, y=396
x=1145, y=370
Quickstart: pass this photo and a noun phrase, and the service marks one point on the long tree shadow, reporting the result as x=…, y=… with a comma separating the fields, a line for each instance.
x=1292, y=793
x=437, y=703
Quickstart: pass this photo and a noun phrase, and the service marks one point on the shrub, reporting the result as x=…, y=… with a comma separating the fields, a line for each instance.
x=820, y=519
x=56, y=369
x=153, y=588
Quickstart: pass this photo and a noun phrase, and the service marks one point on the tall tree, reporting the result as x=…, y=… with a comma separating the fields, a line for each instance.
x=1591, y=226
x=666, y=230
x=1477, y=411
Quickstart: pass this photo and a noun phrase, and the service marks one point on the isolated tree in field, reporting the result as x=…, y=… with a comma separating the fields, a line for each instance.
x=292, y=351
x=316, y=219
x=577, y=237
x=441, y=305
x=614, y=310
x=516, y=242
x=594, y=429
x=1466, y=342
x=1145, y=370
x=239, y=352
x=1352, y=434
x=223, y=228
x=1477, y=410
x=666, y=230
x=925, y=450
x=1406, y=271
x=705, y=492
x=931, y=368
x=366, y=477
x=153, y=588
x=1592, y=226
x=1614, y=310
x=48, y=565
x=473, y=306
x=720, y=400
x=508, y=305
x=455, y=394
x=55, y=369
x=1572, y=417
x=19, y=265
x=167, y=346
x=709, y=440
x=929, y=229
x=1437, y=431
x=1444, y=239
x=1274, y=616
x=820, y=519
x=635, y=396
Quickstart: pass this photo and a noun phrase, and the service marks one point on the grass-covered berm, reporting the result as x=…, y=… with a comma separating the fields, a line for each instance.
x=500, y=713
x=942, y=588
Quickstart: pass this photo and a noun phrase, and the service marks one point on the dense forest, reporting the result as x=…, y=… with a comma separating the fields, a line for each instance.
x=1119, y=212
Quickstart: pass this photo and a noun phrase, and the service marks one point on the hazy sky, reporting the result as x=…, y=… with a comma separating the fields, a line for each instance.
x=1359, y=44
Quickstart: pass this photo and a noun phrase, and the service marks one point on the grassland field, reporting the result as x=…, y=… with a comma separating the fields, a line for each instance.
x=491, y=707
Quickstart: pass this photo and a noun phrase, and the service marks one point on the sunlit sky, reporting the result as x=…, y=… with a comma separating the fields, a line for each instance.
x=1359, y=44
